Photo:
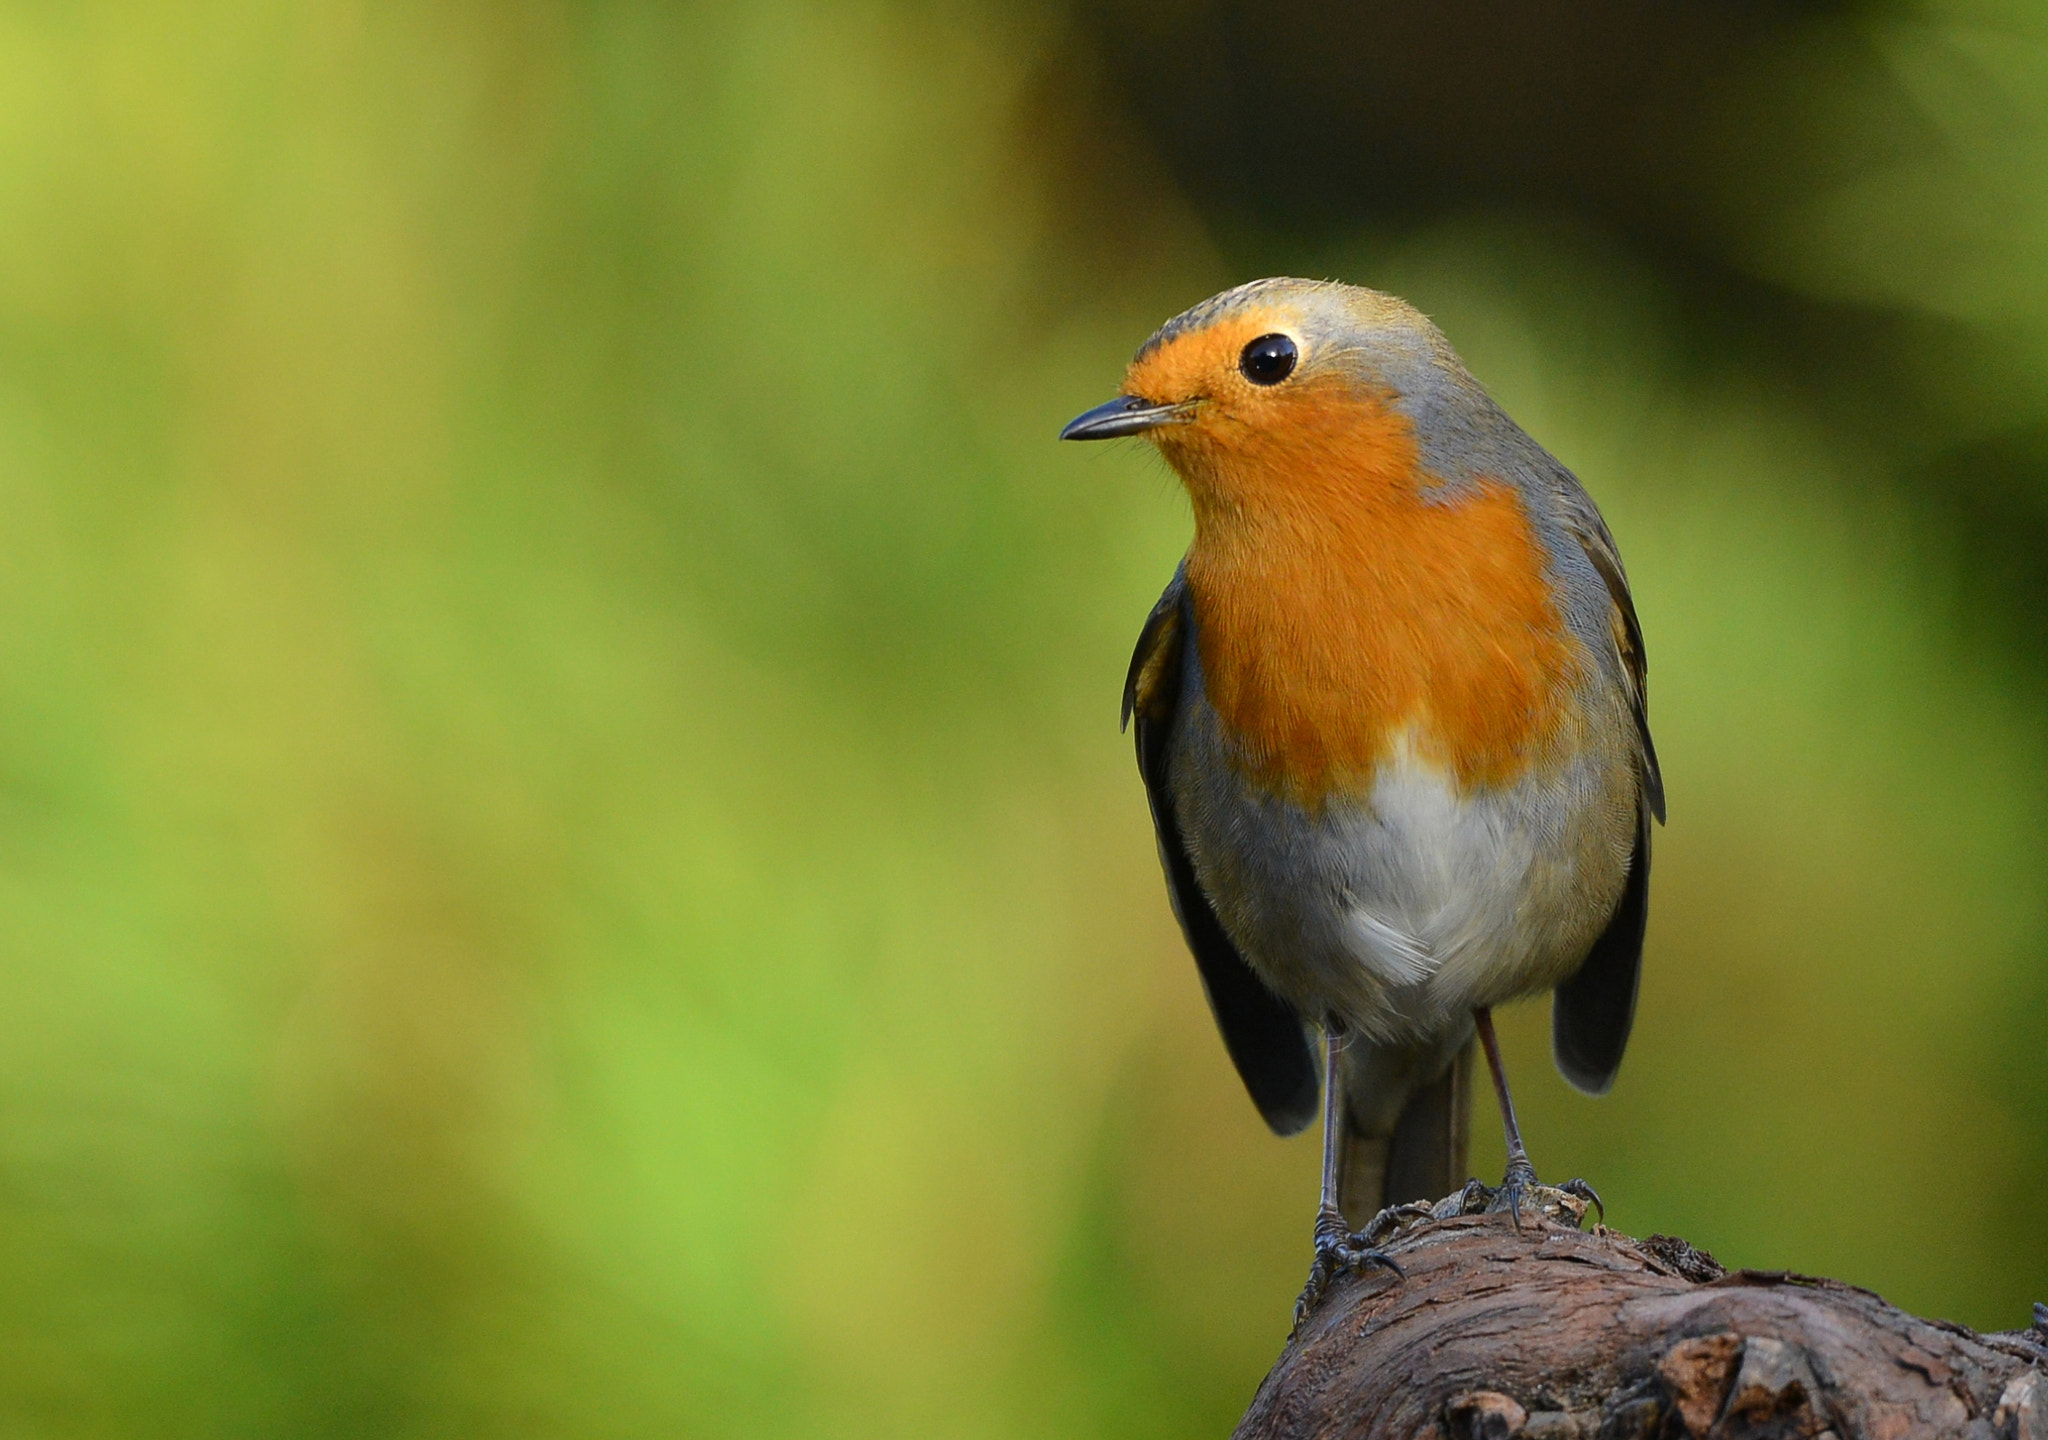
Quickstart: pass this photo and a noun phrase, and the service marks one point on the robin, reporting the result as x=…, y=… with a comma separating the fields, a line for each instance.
x=1390, y=718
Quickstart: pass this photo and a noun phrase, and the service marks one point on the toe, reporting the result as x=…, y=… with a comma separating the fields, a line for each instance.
x=1586, y=1193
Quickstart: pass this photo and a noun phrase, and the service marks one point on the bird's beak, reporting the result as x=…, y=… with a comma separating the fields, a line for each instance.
x=1126, y=415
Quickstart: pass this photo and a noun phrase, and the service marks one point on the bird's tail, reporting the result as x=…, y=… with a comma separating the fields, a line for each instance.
x=1407, y=1124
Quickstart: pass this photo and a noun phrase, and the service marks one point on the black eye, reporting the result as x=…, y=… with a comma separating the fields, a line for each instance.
x=1268, y=360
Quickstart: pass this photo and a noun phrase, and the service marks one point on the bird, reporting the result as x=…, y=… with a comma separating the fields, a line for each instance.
x=1391, y=720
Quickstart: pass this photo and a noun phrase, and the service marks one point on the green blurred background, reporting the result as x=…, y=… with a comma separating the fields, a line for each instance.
x=566, y=866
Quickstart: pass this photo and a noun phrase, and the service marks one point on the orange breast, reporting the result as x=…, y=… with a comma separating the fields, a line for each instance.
x=1339, y=606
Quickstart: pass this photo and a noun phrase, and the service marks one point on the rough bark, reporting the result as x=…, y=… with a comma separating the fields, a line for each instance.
x=1551, y=1332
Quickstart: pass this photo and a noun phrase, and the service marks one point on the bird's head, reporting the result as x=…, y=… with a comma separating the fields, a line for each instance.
x=1280, y=389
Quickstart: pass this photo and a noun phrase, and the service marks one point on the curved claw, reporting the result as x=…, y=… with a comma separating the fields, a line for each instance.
x=1357, y=1257
x=1586, y=1193
x=1472, y=1200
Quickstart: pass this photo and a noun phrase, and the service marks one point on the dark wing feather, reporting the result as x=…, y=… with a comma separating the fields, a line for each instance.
x=1593, y=1011
x=1262, y=1032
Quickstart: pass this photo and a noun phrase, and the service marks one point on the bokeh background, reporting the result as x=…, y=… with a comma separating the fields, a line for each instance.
x=566, y=867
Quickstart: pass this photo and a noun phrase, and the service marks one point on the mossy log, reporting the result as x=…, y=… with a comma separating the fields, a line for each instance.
x=1553, y=1333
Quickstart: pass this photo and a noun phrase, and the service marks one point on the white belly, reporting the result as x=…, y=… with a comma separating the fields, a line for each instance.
x=1403, y=909
x=1448, y=880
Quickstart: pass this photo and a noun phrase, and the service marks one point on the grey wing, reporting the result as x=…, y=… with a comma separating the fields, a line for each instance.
x=1592, y=1013
x=1590, y=531
x=1263, y=1033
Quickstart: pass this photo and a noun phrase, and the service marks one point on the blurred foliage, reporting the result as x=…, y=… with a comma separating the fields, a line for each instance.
x=565, y=864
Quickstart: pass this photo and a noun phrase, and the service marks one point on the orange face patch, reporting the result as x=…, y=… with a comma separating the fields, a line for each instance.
x=1338, y=604
x=1202, y=364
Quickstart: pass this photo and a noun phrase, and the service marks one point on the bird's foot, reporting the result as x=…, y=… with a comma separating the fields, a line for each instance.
x=1520, y=1179
x=1567, y=1204
x=1339, y=1250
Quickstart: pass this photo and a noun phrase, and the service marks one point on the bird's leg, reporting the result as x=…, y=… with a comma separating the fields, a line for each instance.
x=1521, y=1174
x=1337, y=1249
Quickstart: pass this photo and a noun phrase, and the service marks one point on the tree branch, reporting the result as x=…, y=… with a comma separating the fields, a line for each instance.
x=1551, y=1333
